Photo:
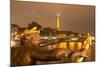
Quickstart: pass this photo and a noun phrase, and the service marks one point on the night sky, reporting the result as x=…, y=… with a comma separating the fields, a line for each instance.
x=77, y=18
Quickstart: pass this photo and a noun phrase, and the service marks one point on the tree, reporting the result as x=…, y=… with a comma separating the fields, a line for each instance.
x=14, y=27
x=48, y=31
x=76, y=34
x=34, y=24
x=68, y=33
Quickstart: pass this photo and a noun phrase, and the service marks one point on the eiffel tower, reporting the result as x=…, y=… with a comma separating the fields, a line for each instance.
x=58, y=22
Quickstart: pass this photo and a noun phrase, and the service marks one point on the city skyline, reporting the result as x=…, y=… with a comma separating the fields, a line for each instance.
x=76, y=18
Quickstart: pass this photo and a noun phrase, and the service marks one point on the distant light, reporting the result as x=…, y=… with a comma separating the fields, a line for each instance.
x=74, y=38
x=58, y=14
x=93, y=38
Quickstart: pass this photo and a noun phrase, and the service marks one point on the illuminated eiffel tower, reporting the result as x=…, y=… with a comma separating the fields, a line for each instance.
x=58, y=22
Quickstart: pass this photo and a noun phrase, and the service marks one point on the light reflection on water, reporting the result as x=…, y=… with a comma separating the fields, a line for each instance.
x=75, y=46
x=70, y=45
